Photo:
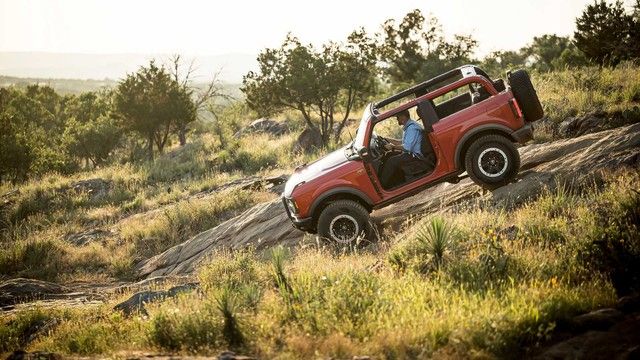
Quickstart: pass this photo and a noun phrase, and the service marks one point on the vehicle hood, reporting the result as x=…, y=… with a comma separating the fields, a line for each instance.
x=309, y=172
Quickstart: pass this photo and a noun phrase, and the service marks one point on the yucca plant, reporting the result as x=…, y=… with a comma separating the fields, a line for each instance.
x=437, y=238
x=281, y=280
x=231, y=329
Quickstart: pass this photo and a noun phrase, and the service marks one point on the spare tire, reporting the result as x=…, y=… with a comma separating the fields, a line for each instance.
x=526, y=95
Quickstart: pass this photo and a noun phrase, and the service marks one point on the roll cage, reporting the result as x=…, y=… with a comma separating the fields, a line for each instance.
x=423, y=92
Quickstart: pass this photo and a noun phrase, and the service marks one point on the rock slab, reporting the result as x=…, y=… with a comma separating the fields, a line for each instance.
x=266, y=224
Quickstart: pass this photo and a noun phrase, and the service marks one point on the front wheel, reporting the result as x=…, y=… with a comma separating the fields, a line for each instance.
x=492, y=161
x=344, y=221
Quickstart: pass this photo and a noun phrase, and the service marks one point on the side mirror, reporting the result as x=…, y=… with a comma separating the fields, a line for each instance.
x=364, y=154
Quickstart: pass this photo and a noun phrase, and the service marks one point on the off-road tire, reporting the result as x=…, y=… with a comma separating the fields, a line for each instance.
x=483, y=171
x=348, y=213
x=526, y=95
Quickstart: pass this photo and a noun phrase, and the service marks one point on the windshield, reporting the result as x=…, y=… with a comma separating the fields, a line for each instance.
x=358, y=143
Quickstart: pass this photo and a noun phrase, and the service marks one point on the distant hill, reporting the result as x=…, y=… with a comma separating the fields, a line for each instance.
x=77, y=86
x=62, y=86
x=114, y=66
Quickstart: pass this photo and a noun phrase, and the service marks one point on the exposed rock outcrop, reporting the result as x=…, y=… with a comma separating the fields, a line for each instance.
x=273, y=184
x=601, y=334
x=261, y=226
x=309, y=140
x=266, y=224
x=264, y=125
x=597, y=121
x=96, y=188
x=135, y=304
x=20, y=290
x=87, y=237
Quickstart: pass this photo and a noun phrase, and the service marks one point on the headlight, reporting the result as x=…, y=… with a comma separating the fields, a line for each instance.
x=292, y=206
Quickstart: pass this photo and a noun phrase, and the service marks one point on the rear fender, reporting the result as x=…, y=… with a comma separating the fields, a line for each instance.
x=476, y=132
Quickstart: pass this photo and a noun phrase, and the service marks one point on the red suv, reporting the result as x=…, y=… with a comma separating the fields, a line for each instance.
x=469, y=124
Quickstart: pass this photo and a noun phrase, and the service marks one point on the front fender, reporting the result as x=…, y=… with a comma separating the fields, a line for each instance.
x=351, y=191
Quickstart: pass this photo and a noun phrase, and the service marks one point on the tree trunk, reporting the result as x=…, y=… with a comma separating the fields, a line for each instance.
x=150, y=147
x=182, y=136
x=350, y=101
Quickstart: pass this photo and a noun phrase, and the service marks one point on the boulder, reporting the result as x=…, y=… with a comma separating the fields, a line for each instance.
x=347, y=123
x=21, y=290
x=601, y=319
x=37, y=355
x=96, y=188
x=273, y=184
x=230, y=355
x=135, y=304
x=264, y=125
x=261, y=226
x=580, y=125
x=266, y=224
x=87, y=237
x=309, y=140
x=596, y=121
x=620, y=341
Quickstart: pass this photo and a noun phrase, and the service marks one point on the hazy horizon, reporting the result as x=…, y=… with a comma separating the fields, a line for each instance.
x=50, y=65
x=86, y=39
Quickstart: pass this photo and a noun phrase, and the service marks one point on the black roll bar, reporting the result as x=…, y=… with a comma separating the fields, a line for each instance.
x=423, y=86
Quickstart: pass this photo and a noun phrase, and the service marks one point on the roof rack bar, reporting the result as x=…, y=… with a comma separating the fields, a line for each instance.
x=424, y=85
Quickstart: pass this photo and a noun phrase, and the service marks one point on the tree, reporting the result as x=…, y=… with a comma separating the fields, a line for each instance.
x=91, y=131
x=318, y=84
x=416, y=48
x=604, y=33
x=151, y=103
x=16, y=154
x=203, y=98
x=30, y=140
x=634, y=33
x=545, y=49
x=498, y=62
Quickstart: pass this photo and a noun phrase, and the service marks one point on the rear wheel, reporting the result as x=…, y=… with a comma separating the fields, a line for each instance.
x=526, y=95
x=492, y=161
x=344, y=221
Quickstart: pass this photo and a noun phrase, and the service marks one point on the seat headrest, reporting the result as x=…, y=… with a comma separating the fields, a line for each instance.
x=427, y=114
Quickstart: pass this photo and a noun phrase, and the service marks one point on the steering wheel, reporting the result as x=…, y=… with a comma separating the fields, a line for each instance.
x=380, y=144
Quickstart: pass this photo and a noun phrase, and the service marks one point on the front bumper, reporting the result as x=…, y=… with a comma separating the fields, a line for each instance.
x=304, y=224
x=523, y=134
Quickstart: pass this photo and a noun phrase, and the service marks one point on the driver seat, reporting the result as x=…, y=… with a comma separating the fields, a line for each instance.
x=428, y=115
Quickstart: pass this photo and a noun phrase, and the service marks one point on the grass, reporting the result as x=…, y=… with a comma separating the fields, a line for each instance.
x=37, y=219
x=571, y=92
x=483, y=281
x=154, y=233
x=478, y=282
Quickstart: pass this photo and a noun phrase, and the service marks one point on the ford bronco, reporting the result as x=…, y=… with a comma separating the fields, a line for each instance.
x=469, y=126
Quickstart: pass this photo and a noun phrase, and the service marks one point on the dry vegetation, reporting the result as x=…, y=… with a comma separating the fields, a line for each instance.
x=484, y=281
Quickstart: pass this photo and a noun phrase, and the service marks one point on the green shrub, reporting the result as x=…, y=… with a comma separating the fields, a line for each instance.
x=177, y=327
x=614, y=246
x=434, y=244
x=84, y=333
x=16, y=330
x=41, y=259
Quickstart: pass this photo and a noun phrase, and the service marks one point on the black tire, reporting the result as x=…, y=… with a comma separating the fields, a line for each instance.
x=526, y=95
x=492, y=161
x=343, y=221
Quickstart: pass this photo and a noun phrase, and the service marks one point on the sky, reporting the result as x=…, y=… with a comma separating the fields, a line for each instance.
x=192, y=27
